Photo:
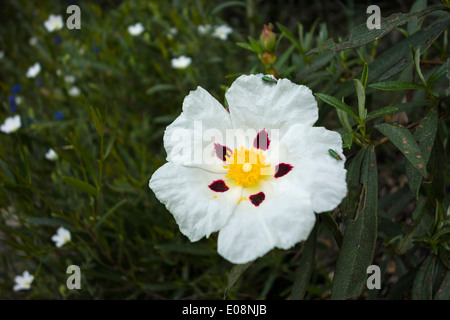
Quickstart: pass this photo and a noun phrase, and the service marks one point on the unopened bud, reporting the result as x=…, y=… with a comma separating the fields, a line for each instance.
x=267, y=39
x=268, y=59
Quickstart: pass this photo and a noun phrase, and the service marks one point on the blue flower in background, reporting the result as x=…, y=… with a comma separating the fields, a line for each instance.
x=59, y=115
x=58, y=40
x=12, y=103
x=39, y=82
x=15, y=88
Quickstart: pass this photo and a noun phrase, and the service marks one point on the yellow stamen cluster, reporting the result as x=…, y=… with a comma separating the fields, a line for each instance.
x=247, y=167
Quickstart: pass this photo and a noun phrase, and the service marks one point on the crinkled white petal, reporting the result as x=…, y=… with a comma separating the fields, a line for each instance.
x=316, y=171
x=254, y=103
x=190, y=139
x=185, y=192
x=283, y=219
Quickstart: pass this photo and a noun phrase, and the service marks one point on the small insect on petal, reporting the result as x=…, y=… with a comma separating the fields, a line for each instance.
x=269, y=79
x=334, y=154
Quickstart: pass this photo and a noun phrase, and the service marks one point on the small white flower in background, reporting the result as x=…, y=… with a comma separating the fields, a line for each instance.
x=33, y=70
x=23, y=282
x=74, y=91
x=2, y=54
x=173, y=31
x=222, y=32
x=181, y=62
x=51, y=155
x=136, y=29
x=11, y=124
x=33, y=41
x=204, y=29
x=61, y=237
x=69, y=78
x=18, y=100
x=265, y=176
x=54, y=22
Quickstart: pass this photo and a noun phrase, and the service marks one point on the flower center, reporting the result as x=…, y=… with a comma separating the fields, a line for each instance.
x=247, y=167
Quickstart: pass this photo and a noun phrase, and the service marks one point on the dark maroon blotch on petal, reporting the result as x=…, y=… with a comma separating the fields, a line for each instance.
x=282, y=169
x=218, y=186
x=262, y=140
x=222, y=151
x=256, y=199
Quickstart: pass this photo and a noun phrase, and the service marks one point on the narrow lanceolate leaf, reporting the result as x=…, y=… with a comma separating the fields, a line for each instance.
x=235, y=274
x=358, y=245
x=361, y=35
x=306, y=267
x=338, y=104
x=395, y=85
x=425, y=134
x=80, y=185
x=381, y=112
x=405, y=142
x=423, y=284
x=364, y=75
x=361, y=94
x=438, y=73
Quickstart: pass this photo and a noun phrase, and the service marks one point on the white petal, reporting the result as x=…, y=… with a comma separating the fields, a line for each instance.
x=283, y=219
x=257, y=104
x=314, y=169
x=190, y=139
x=186, y=194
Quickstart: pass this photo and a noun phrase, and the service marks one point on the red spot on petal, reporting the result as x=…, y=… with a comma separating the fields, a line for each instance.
x=222, y=151
x=256, y=199
x=262, y=140
x=218, y=186
x=282, y=169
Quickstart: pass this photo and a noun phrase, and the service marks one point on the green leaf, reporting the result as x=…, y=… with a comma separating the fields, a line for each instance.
x=306, y=266
x=110, y=211
x=160, y=87
x=52, y=222
x=358, y=244
x=413, y=24
x=361, y=35
x=7, y=172
x=290, y=36
x=395, y=85
x=364, y=75
x=423, y=283
x=337, y=104
x=405, y=142
x=425, y=134
x=80, y=185
x=361, y=94
x=235, y=274
x=227, y=4
x=438, y=73
x=381, y=112
x=97, y=119
x=354, y=168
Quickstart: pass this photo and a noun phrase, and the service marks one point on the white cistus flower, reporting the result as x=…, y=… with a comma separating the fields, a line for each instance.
x=61, y=237
x=222, y=32
x=53, y=23
x=51, y=155
x=33, y=71
x=264, y=169
x=181, y=62
x=136, y=29
x=23, y=282
x=11, y=124
x=204, y=29
x=74, y=91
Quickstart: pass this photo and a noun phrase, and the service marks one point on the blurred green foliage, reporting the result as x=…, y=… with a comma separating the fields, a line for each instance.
x=109, y=142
